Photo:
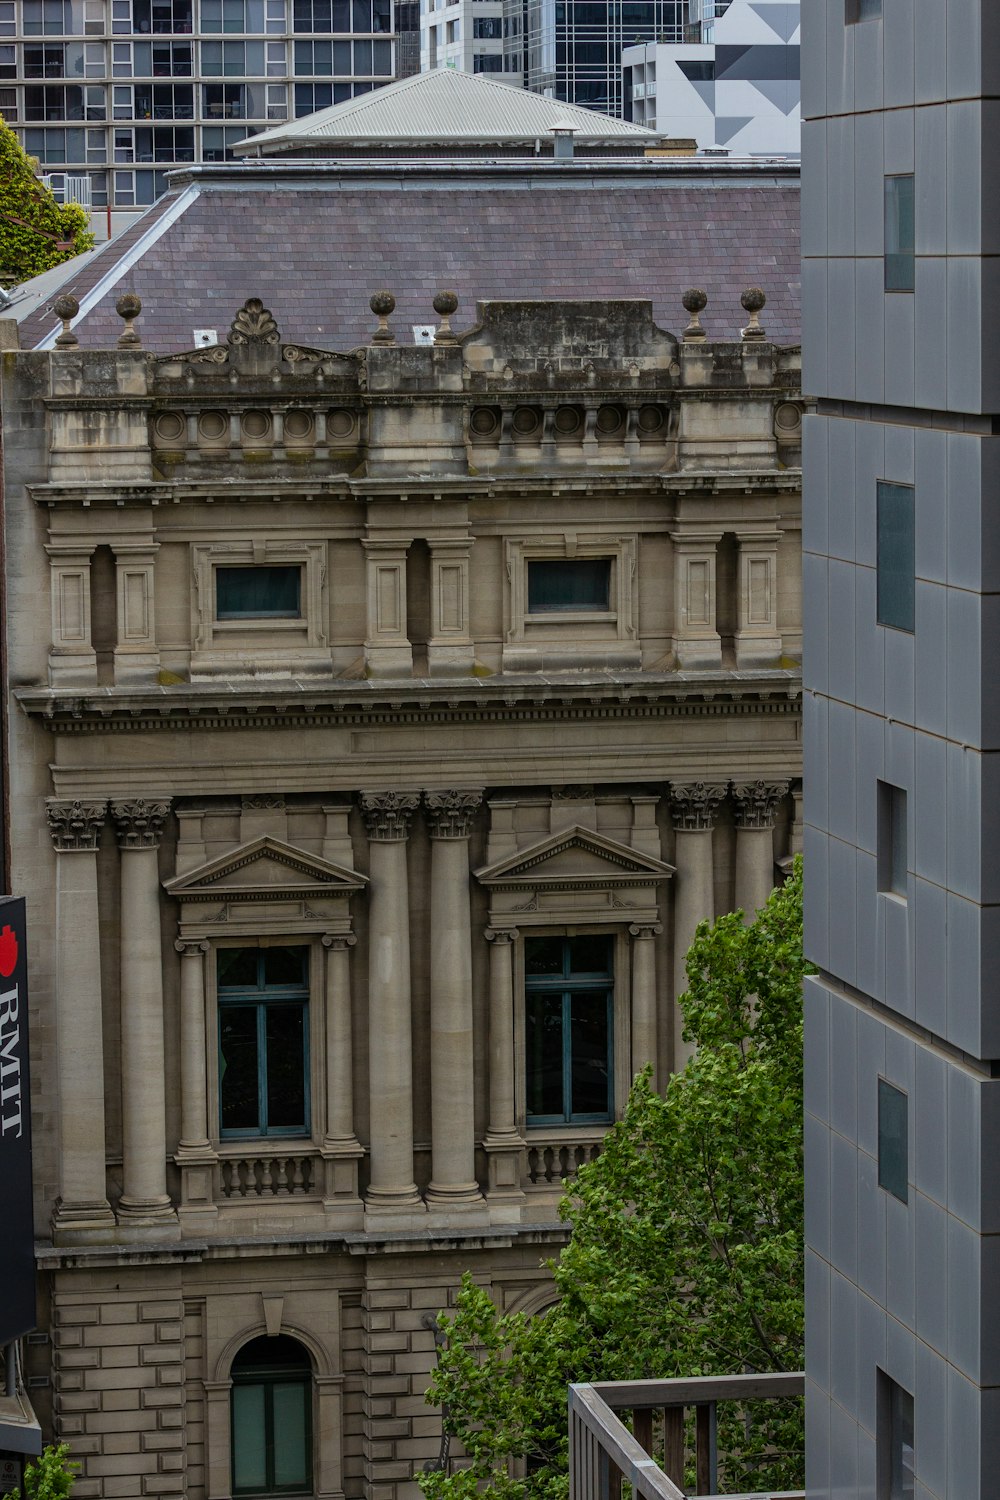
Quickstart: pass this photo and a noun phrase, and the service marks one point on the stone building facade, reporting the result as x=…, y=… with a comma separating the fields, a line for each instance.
x=382, y=725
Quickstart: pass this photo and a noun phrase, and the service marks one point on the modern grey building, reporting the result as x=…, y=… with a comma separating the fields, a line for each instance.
x=902, y=727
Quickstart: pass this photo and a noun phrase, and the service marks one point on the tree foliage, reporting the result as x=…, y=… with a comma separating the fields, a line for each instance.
x=686, y=1248
x=50, y=1477
x=36, y=232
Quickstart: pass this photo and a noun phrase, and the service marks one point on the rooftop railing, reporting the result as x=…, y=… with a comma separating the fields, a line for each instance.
x=604, y=1454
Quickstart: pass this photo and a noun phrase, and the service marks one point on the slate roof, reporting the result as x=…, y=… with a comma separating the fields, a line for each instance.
x=447, y=106
x=315, y=240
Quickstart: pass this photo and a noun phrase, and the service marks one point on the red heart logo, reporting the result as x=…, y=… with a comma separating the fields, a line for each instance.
x=8, y=952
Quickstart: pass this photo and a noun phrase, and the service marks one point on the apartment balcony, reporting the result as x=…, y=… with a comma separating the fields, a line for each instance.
x=604, y=1454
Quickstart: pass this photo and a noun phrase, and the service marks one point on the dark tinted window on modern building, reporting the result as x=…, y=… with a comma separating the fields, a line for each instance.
x=900, y=245
x=894, y=1441
x=862, y=10
x=896, y=556
x=893, y=1155
x=892, y=850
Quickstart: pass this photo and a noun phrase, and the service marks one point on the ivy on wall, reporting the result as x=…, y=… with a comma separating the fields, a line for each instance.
x=36, y=232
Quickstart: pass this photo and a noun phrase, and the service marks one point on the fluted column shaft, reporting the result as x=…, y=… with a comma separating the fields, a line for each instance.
x=453, y=1154
x=144, y=1115
x=339, y=1072
x=693, y=808
x=502, y=1102
x=644, y=1048
x=194, y=1096
x=83, y=1210
x=756, y=811
x=390, y=1051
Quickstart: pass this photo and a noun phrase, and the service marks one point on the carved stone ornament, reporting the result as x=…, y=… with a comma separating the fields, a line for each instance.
x=580, y=792
x=757, y=802
x=501, y=935
x=263, y=802
x=450, y=814
x=339, y=941
x=645, y=930
x=75, y=825
x=693, y=805
x=191, y=947
x=253, y=324
x=387, y=815
x=139, y=823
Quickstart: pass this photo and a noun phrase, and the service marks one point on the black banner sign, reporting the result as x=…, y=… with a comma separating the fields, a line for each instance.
x=17, y=1260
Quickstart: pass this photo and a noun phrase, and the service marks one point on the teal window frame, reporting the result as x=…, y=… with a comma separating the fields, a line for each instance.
x=256, y=580
x=268, y=1377
x=563, y=988
x=263, y=998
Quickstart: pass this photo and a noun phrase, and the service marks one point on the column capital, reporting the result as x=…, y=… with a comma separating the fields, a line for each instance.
x=387, y=815
x=757, y=802
x=450, y=814
x=75, y=825
x=191, y=947
x=502, y=935
x=140, y=822
x=693, y=804
x=339, y=941
x=645, y=930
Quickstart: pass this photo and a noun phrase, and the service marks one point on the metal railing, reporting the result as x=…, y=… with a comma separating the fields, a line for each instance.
x=603, y=1452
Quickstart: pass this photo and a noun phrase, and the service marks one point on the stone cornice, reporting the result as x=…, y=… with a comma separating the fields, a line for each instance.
x=358, y=704
x=299, y=488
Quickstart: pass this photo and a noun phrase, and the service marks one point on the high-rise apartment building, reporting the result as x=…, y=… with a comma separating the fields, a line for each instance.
x=902, y=728
x=462, y=34
x=572, y=49
x=732, y=83
x=109, y=94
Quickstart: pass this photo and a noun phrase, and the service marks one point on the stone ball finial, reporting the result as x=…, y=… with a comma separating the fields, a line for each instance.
x=694, y=301
x=129, y=306
x=382, y=304
x=445, y=303
x=66, y=308
x=752, y=301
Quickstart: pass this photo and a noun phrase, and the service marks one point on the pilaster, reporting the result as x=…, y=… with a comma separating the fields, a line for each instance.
x=503, y=1145
x=388, y=652
x=758, y=639
x=72, y=658
x=136, y=656
x=340, y=1151
x=450, y=649
x=697, y=644
x=194, y=1155
x=693, y=809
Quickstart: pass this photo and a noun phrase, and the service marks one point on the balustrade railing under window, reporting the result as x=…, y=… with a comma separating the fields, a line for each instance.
x=550, y=1159
x=280, y=1174
x=609, y=1462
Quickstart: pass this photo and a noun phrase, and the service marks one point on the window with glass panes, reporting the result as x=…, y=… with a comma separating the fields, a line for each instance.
x=568, y=1027
x=895, y=571
x=569, y=585
x=271, y=1418
x=263, y=1001
x=258, y=593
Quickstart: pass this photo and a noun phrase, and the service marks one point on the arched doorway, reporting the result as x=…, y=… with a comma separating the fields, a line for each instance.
x=272, y=1418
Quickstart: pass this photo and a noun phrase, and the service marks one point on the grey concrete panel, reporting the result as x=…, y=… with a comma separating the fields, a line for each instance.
x=866, y=1466
x=869, y=195
x=897, y=33
x=930, y=58
x=840, y=330
x=900, y=365
x=898, y=953
x=930, y=1126
x=814, y=735
x=989, y=1310
x=870, y=330
x=815, y=611
x=965, y=522
x=931, y=499
x=990, y=333
x=964, y=672
x=816, y=913
x=930, y=387
x=989, y=731
x=870, y=955
x=843, y=1452
x=842, y=611
x=989, y=1166
x=815, y=450
x=816, y=1049
x=870, y=451
x=964, y=175
x=963, y=1435
x=818, y=1318
x=900, y=1344
x=963, y=959
x=930, y=1397
x=988, y=188
x=869, y=645
x=929, y=826
x=964, y=1247
x=817, y=1440
x=844, y=1328
x=964, y=48
x=930, y=968
x=843, y=1067
x=813, y=59
x=900, y=1068
x=871, y=1231
x=814, y=199
x=899, y=750
x=898, y=138
x=842, y=492
x=899, y=687
x=872, y=1323
x=870, y=744
x=840, y=41
x=964, y=311
x=817, y=1186
x=989, y=484
x=931, y=664
x=842, y=771
x=870, y=1066
x=868, y=68
x=815, y=327
x=899, y=453
x=964, y=1123
x=930, y=1271
x=930, y=149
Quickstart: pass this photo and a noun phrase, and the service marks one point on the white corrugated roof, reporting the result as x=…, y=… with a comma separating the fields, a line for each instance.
x=448, y=106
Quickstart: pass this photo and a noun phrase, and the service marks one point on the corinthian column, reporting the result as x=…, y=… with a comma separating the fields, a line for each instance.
x=144, y=1201
x=693, y=807
x=390, y=1049
x=453, y=1150
x=82, y=1211
x=756, y=811
x=644, y=937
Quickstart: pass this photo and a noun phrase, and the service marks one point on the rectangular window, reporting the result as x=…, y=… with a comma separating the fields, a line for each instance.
x=893, y=1152
x=862, y=10
x=580, y=584
x=892, y=849
x=894, y=1441
x=900, y=245
x=263, y=1041
x=896, y=556
x=258, y=593
x=568, y=1005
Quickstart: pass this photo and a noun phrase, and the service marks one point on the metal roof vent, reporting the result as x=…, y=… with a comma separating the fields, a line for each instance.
x=563, y=141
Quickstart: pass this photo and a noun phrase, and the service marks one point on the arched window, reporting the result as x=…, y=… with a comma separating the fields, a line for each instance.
x=272, y=1418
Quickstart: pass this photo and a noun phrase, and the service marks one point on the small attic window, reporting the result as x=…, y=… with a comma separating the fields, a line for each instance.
x=569, y=586
x=268, y=593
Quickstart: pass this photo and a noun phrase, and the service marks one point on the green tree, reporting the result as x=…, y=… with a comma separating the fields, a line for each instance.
x=686, y=1248
x=50, y=1477
x=36, y=232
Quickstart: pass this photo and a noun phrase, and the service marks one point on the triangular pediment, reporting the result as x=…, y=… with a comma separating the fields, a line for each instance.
x=575, y=858
x=266, y=867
